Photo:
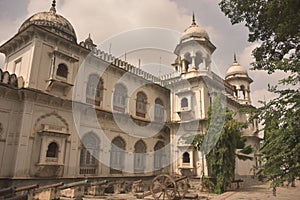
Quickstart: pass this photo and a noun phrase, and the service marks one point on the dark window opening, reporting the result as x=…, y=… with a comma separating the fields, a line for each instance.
x=186, y=157
x=184, y=103
x=52, y=151
x=62, y=71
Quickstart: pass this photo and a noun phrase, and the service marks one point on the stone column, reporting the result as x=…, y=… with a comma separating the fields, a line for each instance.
x=204, y=64
x=193, y=56
x=184, y=66
x=238, y=92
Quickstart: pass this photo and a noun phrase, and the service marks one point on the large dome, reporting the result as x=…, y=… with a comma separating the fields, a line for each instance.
x=236, y=69
x=52, y=22
x=194, y=31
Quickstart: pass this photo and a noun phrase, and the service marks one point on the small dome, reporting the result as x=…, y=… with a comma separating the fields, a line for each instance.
x=52, y=22
x=236, y=68
x=195, y=31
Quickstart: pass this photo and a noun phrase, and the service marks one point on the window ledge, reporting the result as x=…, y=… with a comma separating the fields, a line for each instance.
x=185, y=167
x=55, y=83
x=49, y=164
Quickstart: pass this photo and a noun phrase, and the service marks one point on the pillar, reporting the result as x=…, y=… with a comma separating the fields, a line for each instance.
x=193, y=56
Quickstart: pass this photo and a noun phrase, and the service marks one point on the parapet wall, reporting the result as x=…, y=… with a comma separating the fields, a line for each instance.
x=11, y=79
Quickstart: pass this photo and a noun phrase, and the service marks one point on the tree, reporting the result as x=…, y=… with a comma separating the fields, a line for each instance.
x=275, y=24
x=221, y=159
x=222, y=144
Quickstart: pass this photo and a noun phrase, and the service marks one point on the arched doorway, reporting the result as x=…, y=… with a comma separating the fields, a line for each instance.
x=139, y=156
x=117, y=155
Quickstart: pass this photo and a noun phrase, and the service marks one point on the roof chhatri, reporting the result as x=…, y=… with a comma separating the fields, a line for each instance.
x=236, y=69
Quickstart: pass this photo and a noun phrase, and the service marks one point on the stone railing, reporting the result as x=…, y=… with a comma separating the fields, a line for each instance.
x=126, y=66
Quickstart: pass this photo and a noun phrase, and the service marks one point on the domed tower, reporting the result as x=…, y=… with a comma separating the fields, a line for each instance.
x=194, y=49
x=45, y=52
x=237, y=76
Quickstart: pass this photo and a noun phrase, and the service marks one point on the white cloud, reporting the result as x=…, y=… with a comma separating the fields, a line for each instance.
x=246, y=57
x=9, y=28
x=262, y=95
x=35, y=6
x=109, y=17
x=261, y=78
x=106, y=18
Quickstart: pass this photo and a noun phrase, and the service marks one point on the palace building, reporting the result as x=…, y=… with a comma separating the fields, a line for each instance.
x=70, y=110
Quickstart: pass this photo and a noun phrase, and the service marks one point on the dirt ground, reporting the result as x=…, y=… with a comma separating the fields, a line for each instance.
x=254, y=190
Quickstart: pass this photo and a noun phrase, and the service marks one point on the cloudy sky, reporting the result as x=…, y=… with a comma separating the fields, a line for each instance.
x=104, y=19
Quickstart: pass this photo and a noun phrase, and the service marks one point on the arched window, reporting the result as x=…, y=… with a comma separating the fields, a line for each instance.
x=94, y=90
x=89, y=154
x=139, y=156
x=117, y=155
x=184, y=103
x=62, y=71
x=159, y=110
x=52, y=151
x=120, y=96
x=159, y=155
x=186, y=157
x=141, y=104
x=242, y=92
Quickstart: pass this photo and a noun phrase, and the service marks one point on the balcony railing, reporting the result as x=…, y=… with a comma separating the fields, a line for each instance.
x=88, y=170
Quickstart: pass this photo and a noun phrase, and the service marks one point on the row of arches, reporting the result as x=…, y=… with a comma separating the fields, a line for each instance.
x=240, y=92
x=90, y=153
x=94, y=95
x=90, y=150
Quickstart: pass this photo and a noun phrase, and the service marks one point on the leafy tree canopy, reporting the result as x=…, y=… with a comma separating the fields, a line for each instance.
x=275, y=24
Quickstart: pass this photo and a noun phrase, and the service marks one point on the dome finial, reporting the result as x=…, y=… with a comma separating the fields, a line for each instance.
x=53, y=9
x=193, y=20
x=234, y=58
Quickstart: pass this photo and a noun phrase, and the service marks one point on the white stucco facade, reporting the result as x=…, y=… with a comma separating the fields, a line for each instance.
x=53, y=127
